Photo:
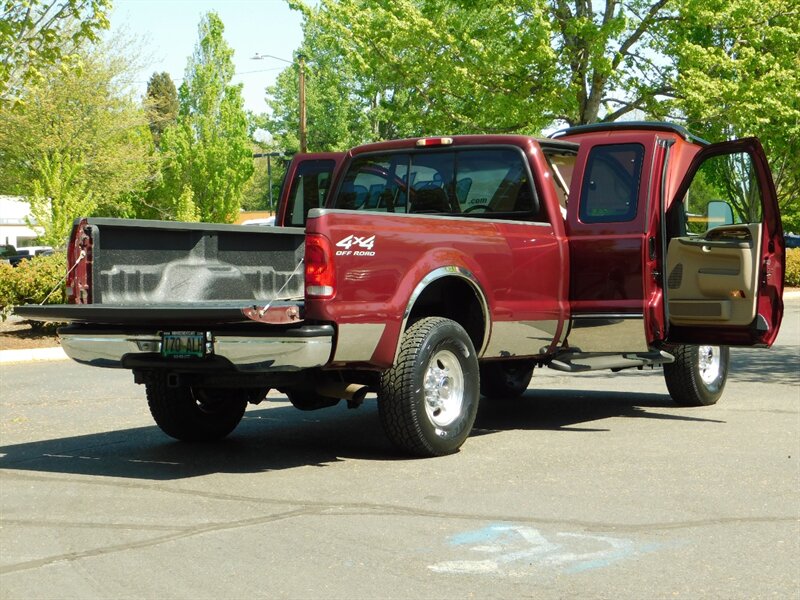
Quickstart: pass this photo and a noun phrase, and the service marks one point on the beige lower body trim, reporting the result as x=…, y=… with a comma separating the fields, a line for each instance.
x=608, y=333
x=357, y=341
x=520, y=338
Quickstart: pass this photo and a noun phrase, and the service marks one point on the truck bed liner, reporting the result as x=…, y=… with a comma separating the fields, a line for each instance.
x=146, y=263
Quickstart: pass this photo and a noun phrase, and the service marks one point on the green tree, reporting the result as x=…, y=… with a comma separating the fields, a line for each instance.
x=337, y=107
x=336, y=117
x=186, y=209
x=420, y=67
x=417, y=66
x=738, y=65
x=78, y=142
x=256, y=195
x=161, y=103
x=36, y=34
x=208, y=150
x=59, y=194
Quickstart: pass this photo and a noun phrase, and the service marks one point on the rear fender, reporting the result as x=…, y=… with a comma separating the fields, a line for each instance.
x=369, y=333
x=445, y=276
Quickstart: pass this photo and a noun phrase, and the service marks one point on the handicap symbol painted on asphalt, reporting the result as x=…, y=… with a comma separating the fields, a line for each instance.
x=505, y=547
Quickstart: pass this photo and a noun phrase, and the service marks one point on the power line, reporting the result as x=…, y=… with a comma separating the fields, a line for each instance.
x=235, y=74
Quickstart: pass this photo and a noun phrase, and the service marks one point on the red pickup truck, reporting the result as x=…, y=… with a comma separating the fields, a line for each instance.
x=435, y=270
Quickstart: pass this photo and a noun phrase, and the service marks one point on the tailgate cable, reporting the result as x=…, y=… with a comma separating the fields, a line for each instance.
x=81, y=256
x=263, y=310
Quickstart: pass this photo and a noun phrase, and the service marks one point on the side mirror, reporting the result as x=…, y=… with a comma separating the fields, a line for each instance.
x=719, y=213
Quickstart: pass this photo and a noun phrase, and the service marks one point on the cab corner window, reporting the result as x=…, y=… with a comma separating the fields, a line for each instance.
x=610, y=189
x=309, y=189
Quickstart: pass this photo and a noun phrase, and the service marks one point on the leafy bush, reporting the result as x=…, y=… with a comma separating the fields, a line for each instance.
x=793, y=267
x=31, y=281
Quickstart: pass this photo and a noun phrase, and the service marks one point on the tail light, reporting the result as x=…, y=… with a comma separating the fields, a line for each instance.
x=320, y=273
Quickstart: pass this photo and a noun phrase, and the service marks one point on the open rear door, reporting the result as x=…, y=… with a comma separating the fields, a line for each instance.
x=725, y=255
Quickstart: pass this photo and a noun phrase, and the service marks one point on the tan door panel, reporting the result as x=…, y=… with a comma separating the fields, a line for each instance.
x=713, y=279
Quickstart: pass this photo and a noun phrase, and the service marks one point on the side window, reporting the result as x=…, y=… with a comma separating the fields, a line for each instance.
x=610, y=187
x=724, y=191
x=309, y=189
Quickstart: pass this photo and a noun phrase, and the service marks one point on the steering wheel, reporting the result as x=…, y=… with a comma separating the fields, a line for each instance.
x=485, y=207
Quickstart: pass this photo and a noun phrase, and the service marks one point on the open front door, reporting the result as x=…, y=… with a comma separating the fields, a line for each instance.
x=725, y=255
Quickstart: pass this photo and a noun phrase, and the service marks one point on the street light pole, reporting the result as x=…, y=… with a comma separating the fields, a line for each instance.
x=301, y=63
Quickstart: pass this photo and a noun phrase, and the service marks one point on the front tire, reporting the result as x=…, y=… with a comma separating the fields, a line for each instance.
x=429, y=398
x=195, y=414
x=698, y=375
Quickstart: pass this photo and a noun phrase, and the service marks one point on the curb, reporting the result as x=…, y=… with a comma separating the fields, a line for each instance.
x=34, y=354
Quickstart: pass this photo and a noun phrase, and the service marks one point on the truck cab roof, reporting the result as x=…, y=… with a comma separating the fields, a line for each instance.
x=421, y=143
x=631, y=126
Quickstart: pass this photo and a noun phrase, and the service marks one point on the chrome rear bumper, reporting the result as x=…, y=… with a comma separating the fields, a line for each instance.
x=304, y=349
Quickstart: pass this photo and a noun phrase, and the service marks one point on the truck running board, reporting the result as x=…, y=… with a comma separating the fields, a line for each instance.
x=577, y=362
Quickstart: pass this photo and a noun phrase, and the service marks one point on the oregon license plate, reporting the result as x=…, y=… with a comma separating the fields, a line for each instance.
x=183, y=344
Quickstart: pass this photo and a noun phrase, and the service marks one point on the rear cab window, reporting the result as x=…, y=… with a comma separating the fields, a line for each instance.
x=485, y=182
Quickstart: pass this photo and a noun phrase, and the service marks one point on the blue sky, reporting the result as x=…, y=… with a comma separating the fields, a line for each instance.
x=167, y=33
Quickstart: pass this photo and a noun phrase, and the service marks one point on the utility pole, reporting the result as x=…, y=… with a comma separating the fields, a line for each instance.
x=302, y=93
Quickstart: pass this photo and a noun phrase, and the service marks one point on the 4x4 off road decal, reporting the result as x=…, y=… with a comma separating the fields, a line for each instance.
x=354, y=245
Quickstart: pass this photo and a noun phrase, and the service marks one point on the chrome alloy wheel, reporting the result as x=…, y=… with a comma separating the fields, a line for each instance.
x=444, y=388
x=709, y=363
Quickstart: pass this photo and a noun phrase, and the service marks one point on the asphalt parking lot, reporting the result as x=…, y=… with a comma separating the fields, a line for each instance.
x=591, y=486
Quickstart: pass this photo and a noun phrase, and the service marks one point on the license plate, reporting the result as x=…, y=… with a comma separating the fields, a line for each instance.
x=183, y=344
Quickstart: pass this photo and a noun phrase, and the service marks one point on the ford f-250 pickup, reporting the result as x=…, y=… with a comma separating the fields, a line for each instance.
x=434, y=270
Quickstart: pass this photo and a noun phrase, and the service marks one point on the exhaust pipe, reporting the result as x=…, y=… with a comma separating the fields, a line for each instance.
x=354, y=393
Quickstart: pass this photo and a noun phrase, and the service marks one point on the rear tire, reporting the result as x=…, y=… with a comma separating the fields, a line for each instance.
x=698, y=375
x=506, y=378
x=195, y=414
x=429, y=398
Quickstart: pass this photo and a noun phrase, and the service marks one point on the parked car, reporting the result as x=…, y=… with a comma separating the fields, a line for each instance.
x=20, y=254
x=6, y=252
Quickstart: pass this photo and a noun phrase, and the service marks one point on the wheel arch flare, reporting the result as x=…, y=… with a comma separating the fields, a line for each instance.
x=452, y=292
